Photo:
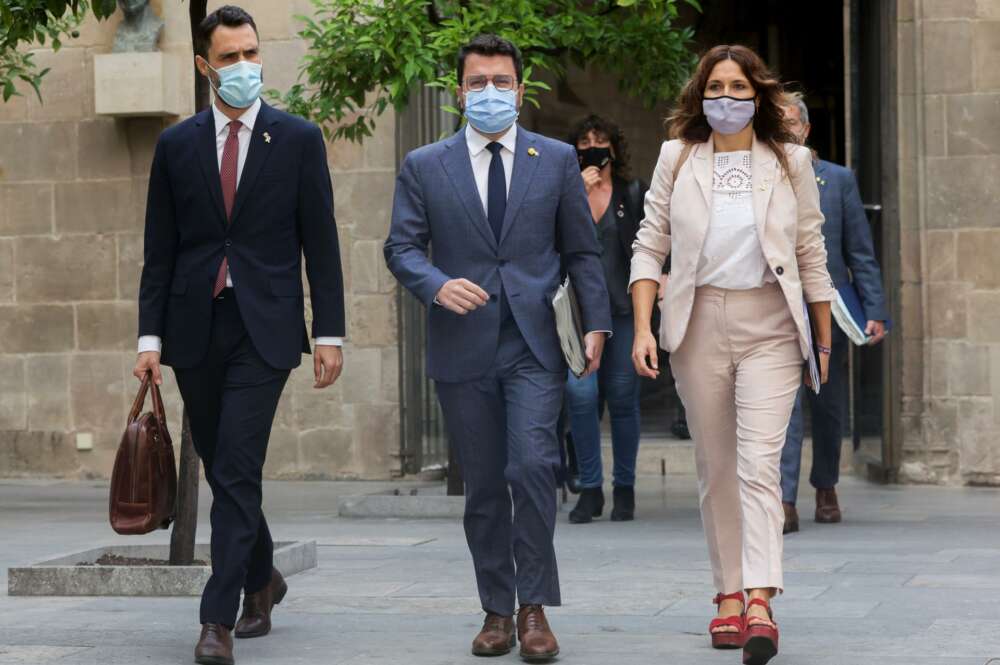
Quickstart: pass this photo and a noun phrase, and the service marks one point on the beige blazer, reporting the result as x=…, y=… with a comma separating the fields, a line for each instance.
x=788, y=220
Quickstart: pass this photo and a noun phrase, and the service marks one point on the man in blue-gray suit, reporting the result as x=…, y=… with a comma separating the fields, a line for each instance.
x=848, y=248
x=502, y=210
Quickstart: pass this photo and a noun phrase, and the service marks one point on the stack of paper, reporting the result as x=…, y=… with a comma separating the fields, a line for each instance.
x=569, y=326
x=850, y=315
x=813, y=358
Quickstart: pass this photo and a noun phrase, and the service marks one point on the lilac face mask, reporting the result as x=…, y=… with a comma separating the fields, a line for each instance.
x=728, y=115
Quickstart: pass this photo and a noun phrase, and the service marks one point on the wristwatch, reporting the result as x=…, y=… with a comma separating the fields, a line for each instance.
x=826, y=350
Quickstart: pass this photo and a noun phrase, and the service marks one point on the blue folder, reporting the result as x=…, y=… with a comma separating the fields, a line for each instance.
x=850, y=315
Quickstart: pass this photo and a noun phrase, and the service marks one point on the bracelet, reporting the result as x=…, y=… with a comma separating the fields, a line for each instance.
x=826, y=350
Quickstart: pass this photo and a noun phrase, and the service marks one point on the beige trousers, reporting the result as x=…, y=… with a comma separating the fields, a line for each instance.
x=737, y=372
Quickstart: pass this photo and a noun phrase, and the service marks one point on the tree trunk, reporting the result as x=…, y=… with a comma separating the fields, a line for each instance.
x=196, y=13
x=186, y=525
x=454, y=476
x=182, y=538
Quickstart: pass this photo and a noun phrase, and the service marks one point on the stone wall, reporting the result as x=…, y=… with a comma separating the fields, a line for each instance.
x=949, y=170
x=72, y=200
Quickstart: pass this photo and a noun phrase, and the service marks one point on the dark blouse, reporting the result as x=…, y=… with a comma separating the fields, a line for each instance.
x=616, y=231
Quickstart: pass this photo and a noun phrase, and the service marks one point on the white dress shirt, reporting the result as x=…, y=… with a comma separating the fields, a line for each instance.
x=481, y=159
x=732, y=257
x=249, y=117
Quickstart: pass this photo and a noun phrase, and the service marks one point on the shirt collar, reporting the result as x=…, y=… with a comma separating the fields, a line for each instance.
x=477, y=142
x=248, y=118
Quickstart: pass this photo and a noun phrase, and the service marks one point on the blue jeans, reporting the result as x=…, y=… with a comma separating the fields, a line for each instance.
x=617, y=382
x=829, y=421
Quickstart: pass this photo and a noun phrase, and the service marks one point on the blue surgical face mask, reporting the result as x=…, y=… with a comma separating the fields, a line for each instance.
x=491, y=111
x=728, y=115
x=239, y=84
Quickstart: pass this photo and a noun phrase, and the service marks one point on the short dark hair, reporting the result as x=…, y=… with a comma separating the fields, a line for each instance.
x=230, y=16
x=620, y=168
x=491, y=45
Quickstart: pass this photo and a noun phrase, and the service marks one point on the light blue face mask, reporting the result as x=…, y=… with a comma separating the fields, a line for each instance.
x=239, y=84
x=491, y=111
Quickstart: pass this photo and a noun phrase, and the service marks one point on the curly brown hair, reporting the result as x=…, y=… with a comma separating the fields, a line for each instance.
x=620, y=167
x=688, y=121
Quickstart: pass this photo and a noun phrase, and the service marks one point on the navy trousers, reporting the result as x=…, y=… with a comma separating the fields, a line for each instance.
x=829, y=423
x=503, y=427
x=231, y=399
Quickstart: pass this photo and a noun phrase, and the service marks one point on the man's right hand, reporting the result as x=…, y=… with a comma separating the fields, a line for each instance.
x=461, y=296
x=148, y=360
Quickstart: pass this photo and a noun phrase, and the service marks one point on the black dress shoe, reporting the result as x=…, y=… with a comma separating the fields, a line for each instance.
x=680, y=429
x=590, y=505
x=624, y=508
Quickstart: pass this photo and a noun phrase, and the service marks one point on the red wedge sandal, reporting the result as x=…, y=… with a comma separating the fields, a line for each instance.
x=761, y=639
x=728, y=639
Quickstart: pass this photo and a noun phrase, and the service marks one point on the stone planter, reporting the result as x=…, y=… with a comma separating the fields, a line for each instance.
x=78, y=575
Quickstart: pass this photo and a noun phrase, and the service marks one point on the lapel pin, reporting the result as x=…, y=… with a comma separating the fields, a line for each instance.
x=532, y=152
x=267, y=137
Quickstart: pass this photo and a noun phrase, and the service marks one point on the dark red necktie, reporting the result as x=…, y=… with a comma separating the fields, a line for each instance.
x=227, y=174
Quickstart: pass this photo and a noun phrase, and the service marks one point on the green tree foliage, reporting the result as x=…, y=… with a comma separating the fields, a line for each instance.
x=37, y=22
x=367, y=55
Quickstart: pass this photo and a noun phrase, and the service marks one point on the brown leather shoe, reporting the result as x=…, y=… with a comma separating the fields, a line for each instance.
x=256, y=618
x=496, y=638
x=791, y=518
x=537, y=641
x=827, y=508
x=215, y=646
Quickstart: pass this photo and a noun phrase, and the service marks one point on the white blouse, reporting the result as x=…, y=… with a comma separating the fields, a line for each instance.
x=731, y=257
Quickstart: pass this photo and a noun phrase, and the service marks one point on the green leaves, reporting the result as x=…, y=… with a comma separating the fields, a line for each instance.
x=27, y=22
x=367, y=55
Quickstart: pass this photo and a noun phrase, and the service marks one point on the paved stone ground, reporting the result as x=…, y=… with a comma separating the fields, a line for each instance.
x=911, y=578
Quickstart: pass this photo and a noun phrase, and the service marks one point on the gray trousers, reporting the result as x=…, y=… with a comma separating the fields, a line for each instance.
x=503, y=428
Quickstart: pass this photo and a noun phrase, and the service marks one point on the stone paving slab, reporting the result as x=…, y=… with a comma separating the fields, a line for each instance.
x=909, y=579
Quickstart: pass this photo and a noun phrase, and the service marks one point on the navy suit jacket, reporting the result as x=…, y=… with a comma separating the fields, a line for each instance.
x=440, y=232
x=283, y=207
x=848, y=237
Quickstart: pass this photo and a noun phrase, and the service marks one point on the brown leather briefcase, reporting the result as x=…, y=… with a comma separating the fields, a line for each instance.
x=144, y=480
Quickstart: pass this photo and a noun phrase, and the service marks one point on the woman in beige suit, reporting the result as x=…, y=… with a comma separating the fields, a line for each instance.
x=734, y=198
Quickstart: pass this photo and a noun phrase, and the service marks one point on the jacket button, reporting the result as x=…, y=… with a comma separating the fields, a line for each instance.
x=503, y=262
x=229, y=243
x=493, y=296
x=779, y=271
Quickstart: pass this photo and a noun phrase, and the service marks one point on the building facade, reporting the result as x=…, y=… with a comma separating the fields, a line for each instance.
x=72, y=201
x=913, y=108
x=947, y=57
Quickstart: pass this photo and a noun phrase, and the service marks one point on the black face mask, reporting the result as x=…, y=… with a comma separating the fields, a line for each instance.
x=599, y=157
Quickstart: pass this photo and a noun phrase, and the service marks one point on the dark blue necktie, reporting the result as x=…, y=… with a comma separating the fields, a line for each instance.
x=496, y=193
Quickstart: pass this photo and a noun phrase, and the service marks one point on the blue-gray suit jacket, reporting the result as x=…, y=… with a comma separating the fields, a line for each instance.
x=440, y=232
x=848, y=237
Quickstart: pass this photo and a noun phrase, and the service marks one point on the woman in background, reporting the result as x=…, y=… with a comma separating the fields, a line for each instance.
x=616, y=209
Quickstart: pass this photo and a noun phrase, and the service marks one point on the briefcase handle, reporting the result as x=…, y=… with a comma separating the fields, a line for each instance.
x=140, y=399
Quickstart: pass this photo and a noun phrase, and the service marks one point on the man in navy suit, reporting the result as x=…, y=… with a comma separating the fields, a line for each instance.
x=849, y=248
x=237, y=194
x=501, y=209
